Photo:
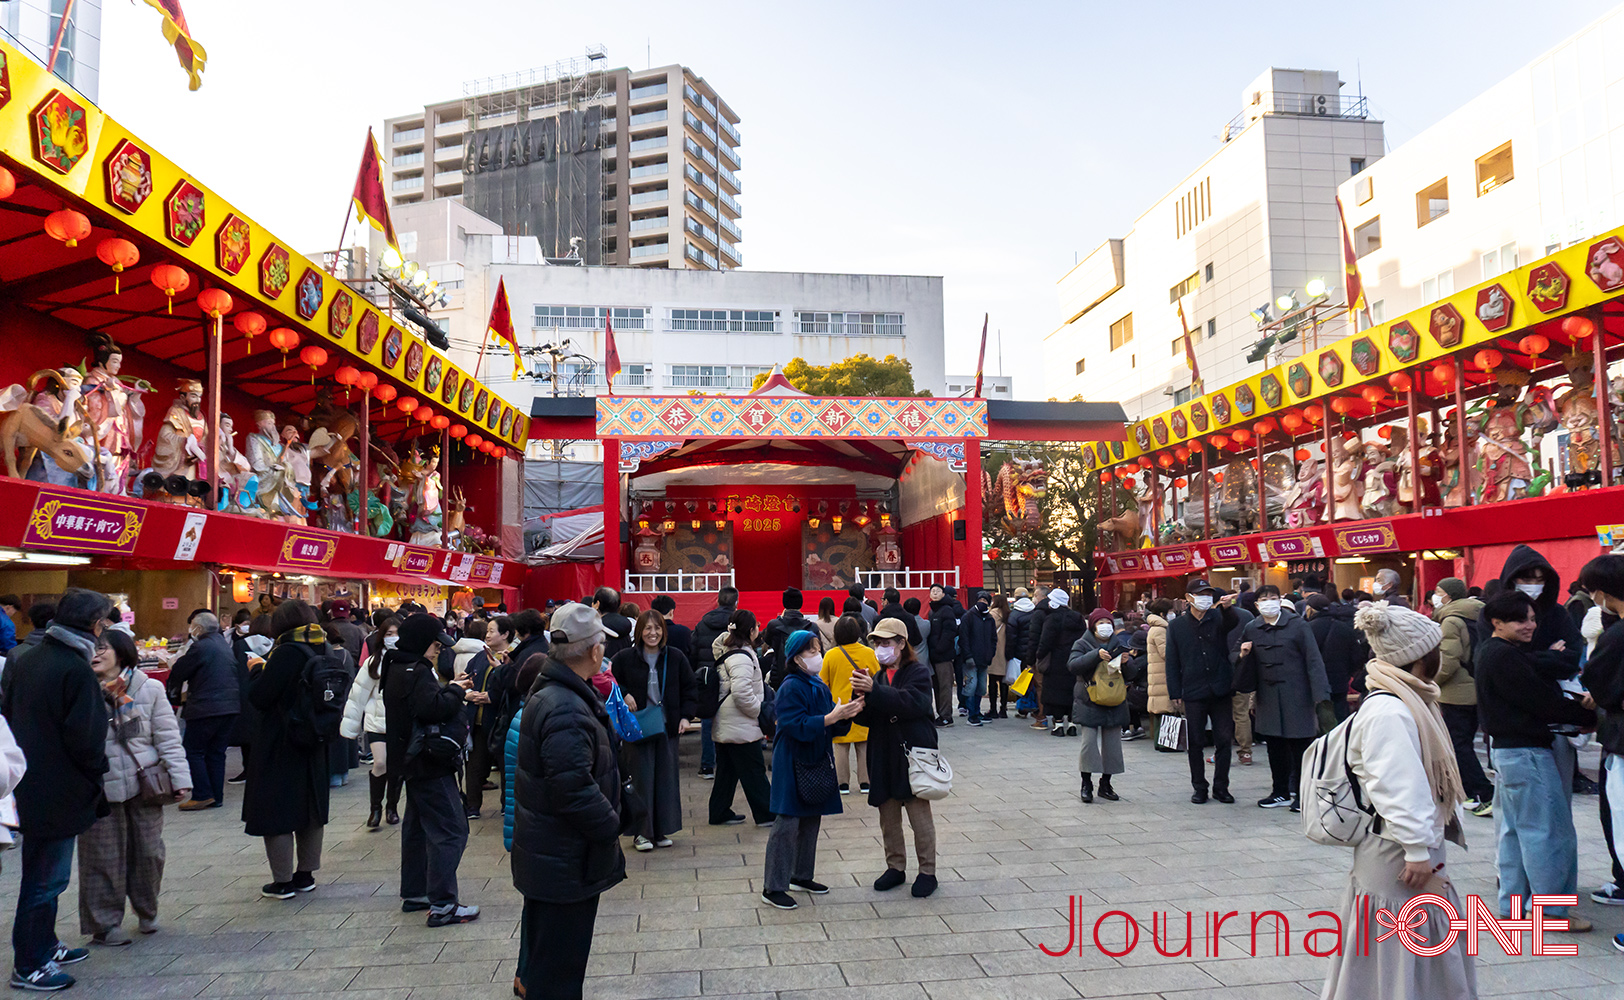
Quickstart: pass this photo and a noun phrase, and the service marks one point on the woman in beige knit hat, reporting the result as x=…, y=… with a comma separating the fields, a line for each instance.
x=1399, y=749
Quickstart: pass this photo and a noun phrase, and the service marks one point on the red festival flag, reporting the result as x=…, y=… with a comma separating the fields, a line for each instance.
x=1189, y=348
x=192, y=57
x=501, y=324
x=1350, y=267
x=371, y=204
x=981, y=359
x=611, y=353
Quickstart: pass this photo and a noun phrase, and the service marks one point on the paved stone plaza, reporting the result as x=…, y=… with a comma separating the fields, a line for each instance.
x=1014, y=843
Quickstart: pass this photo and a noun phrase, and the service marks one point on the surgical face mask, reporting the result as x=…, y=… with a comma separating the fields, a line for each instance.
x=886, y=654
x=1533, y=590
x=1201, y=601
x=242, y=629
x=811, y=661
x=389, y=641
x=1269, y=607
x=1438, y=600
x=1104, y=630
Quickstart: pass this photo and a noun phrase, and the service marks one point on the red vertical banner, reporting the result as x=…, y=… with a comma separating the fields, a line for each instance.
x=969, y=561
x=613, y=551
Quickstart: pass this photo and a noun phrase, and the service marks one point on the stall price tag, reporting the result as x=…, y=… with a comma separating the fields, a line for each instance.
x=67, y=522
x=1610, y=535
x=191, y=534
x=463, y=569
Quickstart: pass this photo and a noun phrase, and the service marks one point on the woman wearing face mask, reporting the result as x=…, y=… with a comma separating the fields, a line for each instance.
x=652, y=674
x=1400, y=753
x=899, y=711
x=250, y=642
x=122, y=856
x=364, y=717
x=836, y=667
x=1457, y=615
x=808, y=719
x=1100, y=725
x=1279, y=659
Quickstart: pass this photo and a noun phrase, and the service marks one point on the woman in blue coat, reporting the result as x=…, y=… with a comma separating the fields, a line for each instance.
x=808, y=722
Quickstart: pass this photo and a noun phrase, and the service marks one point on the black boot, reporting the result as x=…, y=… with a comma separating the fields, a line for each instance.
x=375, y=817
x=1106, y=791
x=1088, y=787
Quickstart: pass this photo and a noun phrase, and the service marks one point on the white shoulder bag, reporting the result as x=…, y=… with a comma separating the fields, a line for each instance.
x=930, y=776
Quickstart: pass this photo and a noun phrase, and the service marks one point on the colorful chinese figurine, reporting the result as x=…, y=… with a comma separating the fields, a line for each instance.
x=236, y=472
x=181, y=449
x=1502, y=460
x=117, y=413
x=1305, y=500
x=1381, y=475
x=1347, y=478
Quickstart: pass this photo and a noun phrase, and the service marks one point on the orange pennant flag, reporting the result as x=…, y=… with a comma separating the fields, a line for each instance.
x=192, y=55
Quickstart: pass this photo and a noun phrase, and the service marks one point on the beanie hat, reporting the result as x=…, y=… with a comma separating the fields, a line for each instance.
x=797, y=642
x=1398, y=635
x=1059, y=598
x=1098, y=615
x=1454, y=586
x=792, y=599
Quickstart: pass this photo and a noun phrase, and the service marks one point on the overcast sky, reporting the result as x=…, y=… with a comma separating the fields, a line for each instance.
x=988, y=143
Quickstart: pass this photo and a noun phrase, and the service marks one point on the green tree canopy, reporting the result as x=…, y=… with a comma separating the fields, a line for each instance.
x=858, y=375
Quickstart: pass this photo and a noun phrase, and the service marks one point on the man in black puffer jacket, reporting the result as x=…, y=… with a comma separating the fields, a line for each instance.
x=1061, y=629
x=711, y=625
x=435, y=830
x=945, y=613
x=1341, y=646
x=566, y=809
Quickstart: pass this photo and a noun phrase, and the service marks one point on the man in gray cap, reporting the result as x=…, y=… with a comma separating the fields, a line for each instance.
x=566, y=808
x=1200, y=681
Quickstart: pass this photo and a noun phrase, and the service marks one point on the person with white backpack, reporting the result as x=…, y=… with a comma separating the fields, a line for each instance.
x=1408, y=789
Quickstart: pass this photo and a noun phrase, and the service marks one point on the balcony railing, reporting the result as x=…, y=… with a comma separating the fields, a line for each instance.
x=649, y=90
x=727, y=127
x=407, y=159
x=908, y=579
x=640, y=225
x=698, y=98
x=645, y=197
x=729, y=227
x=730, y=250
x=694, y=201
x=449, y=152
x=651, y=250
x=654, y=142
x=649, y=117
x=732, y=179
x=1298, y=105
x=651, y=170
x=446, y=177
x=680, y=583
x=407, y=183
x=730, y=203
x=403, y=136
x=731, y=156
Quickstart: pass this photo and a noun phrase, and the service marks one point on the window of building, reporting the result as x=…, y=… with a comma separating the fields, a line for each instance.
x=955, y=388
x=1208, y=275
x=1121, y=331
x=1363, y=190
x=408, y=243
x=1493, y=169
x=1378, y=310
x=1355, y=165
x=591, y=317
x=724, y=320
x=590, y=374
x=849, y=324
x=1080, y=365
x=1439, y=286
x=1432, y=202
x=1368, y=237
x=1193, y=208
x=1499, y=261
x=1184, y=287
x=1182, y=396
x=1212, y=328
x=714, y=376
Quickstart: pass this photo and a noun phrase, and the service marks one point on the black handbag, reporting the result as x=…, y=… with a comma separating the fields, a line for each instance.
x=815, y=781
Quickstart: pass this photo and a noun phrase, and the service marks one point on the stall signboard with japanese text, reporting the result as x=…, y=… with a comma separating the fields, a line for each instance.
x=307, y=550
x=70, y=522
x=1367, y=539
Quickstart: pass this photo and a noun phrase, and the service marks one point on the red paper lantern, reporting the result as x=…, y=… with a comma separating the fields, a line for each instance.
x=422, y=414
x=1385, y=432
x=215, y=302
x=367, y=381
x=1292, y=422
x=1533, y=345
x=1180, y=482
x=1183, y=453
x=1241, y=435
x=440, y=422
x=1218, y=478
x=1105, y=475
x=1254, y=464
x=473, y=440
x=8, y=184
x=1487, y=359
x=315, y=357
x=1129, y=482
x=1165, y=461
x=1144, y=461
x=250, y=325
x=1372, y=394
x=994, y=552
x=1578, y=327
x=406, y=404
x=118, y=254
x=458, y=431
x=384, y=393
x=1400, y=382
x=284, y=340
x=1302, y=454
x=1341, y=405
x=346, y=375
x=1315, y=414
x=1265, y=427
x=1218, y=440
x=67, y=226
x=169, y=279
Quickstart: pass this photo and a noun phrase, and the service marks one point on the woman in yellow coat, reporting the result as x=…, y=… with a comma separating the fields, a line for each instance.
x=847, y=655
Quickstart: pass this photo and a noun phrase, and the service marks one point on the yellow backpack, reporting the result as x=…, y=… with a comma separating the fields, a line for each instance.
x=1108, y=689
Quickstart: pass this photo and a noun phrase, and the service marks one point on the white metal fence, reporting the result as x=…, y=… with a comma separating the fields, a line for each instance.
x=908, y=579
x=677, y=583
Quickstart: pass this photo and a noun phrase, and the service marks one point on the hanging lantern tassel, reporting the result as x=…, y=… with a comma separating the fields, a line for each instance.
x=314, y=356
x=284, y=340
x=169, y=279
x=250, y=325
x=118, y=254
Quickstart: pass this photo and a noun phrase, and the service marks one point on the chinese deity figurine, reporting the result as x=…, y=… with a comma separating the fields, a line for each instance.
x=1503, y=458
x=1381, y=475
x=1455, y=491
x=181, y=449
x=1577, y=409
x=1305, y=500
x=236, y=472
x=117, y=414
x=1347, y=479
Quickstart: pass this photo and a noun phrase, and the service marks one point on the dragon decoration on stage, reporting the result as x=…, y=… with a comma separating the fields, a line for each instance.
x=1011, y=500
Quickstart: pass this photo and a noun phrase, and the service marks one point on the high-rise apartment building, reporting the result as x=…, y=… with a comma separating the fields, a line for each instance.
x=616, y=166
x=1256, y=221
x=35, y=24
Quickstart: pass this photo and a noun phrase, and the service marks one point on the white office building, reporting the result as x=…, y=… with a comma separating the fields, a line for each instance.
x=992, y=386
x=1533, y=164
x=1255, y=221
x=35, y=25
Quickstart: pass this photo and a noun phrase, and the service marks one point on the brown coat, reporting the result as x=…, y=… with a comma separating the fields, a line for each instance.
x=1156, y=650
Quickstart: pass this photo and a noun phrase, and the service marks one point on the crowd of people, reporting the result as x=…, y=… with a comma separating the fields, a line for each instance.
x=576, y=712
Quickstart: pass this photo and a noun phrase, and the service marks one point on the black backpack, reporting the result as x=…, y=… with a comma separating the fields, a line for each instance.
x=317, y=711
x=708, y=679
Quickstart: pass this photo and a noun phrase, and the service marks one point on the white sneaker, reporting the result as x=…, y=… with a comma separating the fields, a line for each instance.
x=663, y=842
x=1608, y=895
x=642, y=843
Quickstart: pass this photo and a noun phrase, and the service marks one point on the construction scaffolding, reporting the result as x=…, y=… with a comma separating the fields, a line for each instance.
x=534, y=160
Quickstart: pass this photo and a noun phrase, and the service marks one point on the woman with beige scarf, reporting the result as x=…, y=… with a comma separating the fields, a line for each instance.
x=1399, y=749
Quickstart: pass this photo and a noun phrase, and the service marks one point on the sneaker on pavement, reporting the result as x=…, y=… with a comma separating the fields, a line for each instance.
x=1485, y=810
x=193, y=805
x=1608, y=895
x=975, y=722
x=414, y=904
x=115, y=938
x=1244, y=756
x=47, y=979
x=845, y=789
x=707, y=773
x=68, y=956
x=456, y=913
x=890, y=879
x=243, y=777
x=1618, y=941
x=733, y=820
x=1578, y=925
x=1274, y=802
x=782, y=900
x=303, y=882
x=277, y=890
x=817, y=888
x=663, y=842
